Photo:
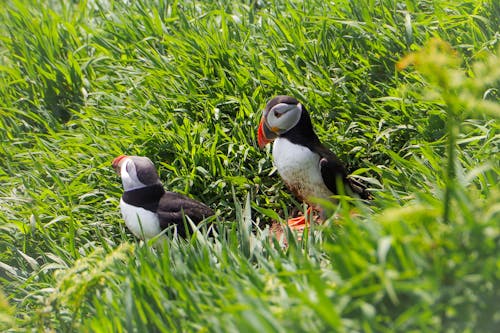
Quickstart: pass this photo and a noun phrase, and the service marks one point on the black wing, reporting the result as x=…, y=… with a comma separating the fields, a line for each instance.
x=174, y=206
x=332, y=170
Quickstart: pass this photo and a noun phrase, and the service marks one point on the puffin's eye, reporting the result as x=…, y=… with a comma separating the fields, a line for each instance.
x=277, y=114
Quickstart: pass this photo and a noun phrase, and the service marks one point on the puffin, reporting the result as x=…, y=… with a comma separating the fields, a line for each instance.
x=145, y=205
x=308, y=168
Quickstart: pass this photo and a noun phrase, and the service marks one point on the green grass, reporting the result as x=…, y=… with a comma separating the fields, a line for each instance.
x=406, y=93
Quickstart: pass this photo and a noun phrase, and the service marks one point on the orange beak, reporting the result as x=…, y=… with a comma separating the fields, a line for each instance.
x=117, y=163
x=264, y=134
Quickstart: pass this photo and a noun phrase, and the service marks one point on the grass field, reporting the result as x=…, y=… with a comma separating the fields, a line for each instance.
x=405, y=92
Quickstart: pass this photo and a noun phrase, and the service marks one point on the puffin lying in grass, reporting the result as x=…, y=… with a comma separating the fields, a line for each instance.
x=145, y=205
x=308, y=168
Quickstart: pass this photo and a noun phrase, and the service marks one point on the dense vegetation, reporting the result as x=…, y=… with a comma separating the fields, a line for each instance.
x=405, y=92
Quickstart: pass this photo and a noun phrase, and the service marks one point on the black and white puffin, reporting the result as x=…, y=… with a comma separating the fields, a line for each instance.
x=145, y=205
x=308, y=168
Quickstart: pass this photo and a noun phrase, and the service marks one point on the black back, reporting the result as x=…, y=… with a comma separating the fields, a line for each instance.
x=174, y=206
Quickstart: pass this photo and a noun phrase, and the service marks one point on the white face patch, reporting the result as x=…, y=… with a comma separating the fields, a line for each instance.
x=128, y=174
x=282, y=117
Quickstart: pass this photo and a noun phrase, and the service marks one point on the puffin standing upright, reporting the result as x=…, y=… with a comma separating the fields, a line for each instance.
x=308, y=168
x=145, y=205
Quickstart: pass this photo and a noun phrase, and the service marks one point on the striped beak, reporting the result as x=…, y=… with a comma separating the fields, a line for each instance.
x=265, y=135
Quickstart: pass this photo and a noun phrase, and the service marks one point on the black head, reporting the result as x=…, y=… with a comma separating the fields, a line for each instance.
x=285, y=116
x=136, y=171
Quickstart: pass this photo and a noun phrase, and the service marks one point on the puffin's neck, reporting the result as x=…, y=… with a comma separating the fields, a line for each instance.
x=145, y=197
x=303, y=133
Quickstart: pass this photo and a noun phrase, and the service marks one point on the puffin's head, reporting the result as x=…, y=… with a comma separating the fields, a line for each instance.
x=136, y=171
x=281, y=114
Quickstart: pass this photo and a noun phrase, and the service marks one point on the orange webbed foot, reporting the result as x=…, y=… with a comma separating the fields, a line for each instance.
x=300, y=222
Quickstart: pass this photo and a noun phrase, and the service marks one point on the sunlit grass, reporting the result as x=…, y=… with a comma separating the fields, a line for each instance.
x=184, y=83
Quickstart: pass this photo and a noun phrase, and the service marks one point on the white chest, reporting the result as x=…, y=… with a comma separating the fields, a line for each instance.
x=143, y=223
x=300, y=169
